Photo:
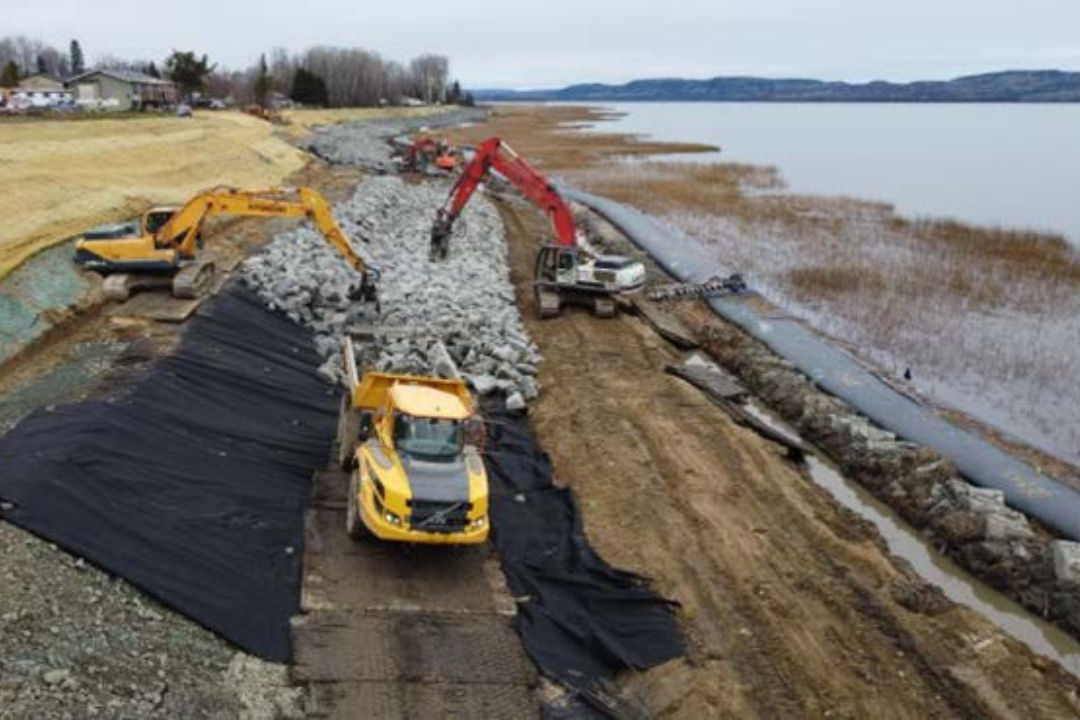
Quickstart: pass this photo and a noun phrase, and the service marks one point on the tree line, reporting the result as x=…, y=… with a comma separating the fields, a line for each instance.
x=322, y=75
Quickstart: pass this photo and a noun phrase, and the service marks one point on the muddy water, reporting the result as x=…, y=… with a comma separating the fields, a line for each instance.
x=905, y=542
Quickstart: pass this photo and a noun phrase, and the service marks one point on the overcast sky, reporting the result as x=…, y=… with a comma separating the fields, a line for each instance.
x=546, y=43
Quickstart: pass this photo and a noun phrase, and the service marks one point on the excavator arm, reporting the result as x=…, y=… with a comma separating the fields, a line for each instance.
x=183, y=228
x=495, y=154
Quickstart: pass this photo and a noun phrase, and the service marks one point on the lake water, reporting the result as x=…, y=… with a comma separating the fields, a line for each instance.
x=1010, y=165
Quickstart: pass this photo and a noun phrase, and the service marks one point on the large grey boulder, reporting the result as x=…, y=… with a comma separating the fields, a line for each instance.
x=459, y=312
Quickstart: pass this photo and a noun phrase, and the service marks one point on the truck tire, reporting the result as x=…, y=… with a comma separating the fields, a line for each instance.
x=354, y=525
x=348, y=433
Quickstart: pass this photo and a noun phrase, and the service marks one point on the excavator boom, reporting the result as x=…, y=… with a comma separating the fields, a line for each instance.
x=174, y=245
x=496, y=154
x=183, y=228
x=567, y=271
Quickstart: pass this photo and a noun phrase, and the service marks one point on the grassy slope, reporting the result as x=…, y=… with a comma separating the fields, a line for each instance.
x=59, y=177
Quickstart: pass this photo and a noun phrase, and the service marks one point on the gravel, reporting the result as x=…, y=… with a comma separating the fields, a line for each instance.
x=79, y=643
x=465, y=303
x=366, y=143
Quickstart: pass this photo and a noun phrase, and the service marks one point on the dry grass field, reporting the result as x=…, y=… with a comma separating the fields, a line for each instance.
x=299, y=122
x=59, y=177
x=987, y=319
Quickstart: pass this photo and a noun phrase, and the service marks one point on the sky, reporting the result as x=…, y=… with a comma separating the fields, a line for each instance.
x=551, y=43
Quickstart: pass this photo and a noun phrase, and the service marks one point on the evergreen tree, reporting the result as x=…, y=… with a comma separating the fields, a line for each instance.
x=42, y=65
x=9, y=77
x=309, y=88
x=152, y=70
x=264, y=83
x=78, y=63
x=454, y=96
x=188, y=71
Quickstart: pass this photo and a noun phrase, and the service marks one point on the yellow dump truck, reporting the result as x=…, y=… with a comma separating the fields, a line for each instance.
x=410, y=446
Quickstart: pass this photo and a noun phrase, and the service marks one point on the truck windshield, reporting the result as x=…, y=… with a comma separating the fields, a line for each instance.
x=429, y=438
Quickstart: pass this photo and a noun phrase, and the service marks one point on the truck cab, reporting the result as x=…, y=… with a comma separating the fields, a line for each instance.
x=410, y=444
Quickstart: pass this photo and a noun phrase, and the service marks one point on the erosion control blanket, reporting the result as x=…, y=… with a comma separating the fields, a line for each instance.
x=1025, y=488
x=582, y=620
x=191, y=484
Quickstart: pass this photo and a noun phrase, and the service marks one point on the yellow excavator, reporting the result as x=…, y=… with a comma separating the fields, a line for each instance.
x=162, y=248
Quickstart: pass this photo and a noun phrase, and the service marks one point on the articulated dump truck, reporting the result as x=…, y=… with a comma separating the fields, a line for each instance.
x=410, y=444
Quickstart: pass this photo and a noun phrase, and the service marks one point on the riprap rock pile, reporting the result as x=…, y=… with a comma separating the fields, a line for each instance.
x=466, y=302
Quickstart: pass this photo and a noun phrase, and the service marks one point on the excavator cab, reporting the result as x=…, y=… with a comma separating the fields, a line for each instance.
x=558, y=281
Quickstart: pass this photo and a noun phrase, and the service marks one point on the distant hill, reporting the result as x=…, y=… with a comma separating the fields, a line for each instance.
x=1008, y=86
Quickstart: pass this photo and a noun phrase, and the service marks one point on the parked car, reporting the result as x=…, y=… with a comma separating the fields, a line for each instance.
x=183, y=111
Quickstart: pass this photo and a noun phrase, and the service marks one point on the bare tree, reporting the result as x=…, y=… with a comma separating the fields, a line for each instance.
x=431, y=74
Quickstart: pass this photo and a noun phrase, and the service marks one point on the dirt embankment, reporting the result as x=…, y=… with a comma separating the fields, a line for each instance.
x=789, y=600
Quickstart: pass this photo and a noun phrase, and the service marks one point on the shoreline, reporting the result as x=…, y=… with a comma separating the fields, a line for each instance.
x=834, y=287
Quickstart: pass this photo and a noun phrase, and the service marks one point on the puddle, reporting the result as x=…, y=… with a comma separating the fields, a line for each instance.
x=960, y=587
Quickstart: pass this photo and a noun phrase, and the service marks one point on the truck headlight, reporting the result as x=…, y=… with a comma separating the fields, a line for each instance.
x=392, y=518
x=480, y=522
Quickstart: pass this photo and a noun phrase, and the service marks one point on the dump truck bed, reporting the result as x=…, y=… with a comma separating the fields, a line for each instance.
x=371, y=391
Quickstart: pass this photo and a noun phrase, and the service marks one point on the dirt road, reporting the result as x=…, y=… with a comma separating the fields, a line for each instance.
x=788, y=600
x=396, y=631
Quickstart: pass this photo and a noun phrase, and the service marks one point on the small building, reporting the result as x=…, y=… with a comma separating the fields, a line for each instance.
x=40, y=91
x=122, y=90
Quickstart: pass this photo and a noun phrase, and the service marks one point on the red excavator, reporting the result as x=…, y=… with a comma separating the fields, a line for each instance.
x=565, y=273
x=428, y=153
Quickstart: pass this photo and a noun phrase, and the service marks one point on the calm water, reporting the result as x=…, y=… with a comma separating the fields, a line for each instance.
x=1012, y=165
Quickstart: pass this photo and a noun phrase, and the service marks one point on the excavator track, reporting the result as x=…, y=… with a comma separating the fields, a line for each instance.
x=548, y=303
x=117, y=286
x=193, y=281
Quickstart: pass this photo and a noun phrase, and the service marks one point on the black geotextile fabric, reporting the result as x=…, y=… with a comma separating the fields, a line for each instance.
x=584, y=621
x=191, y=484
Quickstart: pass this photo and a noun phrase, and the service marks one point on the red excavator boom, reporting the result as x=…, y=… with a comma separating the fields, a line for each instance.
x=495, y=154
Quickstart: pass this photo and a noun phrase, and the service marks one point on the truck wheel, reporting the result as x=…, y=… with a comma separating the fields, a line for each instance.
x=354, y=526
x=348, y=432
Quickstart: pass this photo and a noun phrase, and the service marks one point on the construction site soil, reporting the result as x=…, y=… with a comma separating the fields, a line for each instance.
x=791, y=604
x=787, y=598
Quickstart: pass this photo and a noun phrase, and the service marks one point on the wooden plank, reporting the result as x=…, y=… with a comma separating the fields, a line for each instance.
x=157, y=305
x=369, y=575
x=667, y=325
x=421, y=701
x=409, y=647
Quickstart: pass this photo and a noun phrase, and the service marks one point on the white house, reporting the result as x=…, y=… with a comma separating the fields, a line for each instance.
x=40, y=91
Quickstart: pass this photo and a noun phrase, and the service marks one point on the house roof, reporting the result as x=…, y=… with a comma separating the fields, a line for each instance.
x=128, y=76
x=41, y=81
